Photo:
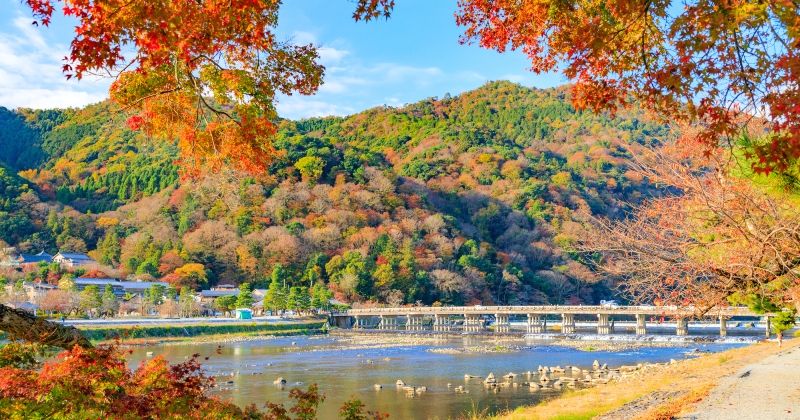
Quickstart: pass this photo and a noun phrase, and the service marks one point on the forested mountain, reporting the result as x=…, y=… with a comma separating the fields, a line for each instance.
x=459, y=200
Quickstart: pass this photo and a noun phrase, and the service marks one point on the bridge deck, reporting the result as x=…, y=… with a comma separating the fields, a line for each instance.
x=554, y=309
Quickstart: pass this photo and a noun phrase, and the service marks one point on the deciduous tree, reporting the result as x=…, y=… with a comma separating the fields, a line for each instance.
x=715, y=236
x=717, y=65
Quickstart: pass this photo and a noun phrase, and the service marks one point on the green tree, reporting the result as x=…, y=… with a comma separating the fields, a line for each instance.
x=782, y=322
x=154, y=295
x=225, y=304
x=310, y=167
x=171, y=293
x=90, y=299
x=320, y=296
x=304, y=299
x=109, y=248
x=293, y=301
x=280, y=273
x=275, y=298
x=109, y=304
x=186, y=301
x=245, y=297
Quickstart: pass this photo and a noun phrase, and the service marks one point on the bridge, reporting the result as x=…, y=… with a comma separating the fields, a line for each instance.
x=476, y=319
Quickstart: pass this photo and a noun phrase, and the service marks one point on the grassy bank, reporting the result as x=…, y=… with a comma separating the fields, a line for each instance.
x=158, y=332
x=668, y=392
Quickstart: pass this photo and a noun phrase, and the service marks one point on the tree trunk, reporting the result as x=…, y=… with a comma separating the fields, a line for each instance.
x=22, y=325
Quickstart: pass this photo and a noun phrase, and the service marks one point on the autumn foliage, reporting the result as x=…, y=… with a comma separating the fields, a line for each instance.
x=97, y=383
x=206, y=73
x=718, y=65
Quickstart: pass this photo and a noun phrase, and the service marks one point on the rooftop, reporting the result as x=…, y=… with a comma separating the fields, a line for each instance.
x=74, y=255
x=86, y=281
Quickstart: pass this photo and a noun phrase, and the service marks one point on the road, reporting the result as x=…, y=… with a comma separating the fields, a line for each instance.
x=101, y=322
x=765, y=390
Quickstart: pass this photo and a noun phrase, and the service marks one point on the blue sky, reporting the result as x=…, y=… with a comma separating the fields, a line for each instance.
x=413, y=55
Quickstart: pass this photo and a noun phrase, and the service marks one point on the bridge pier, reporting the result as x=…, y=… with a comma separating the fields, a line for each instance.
x=682, y=326
x=723, y=326
x=768, y=326
x=535, y=324
x=358, y=323
x=603, y=325
x=388, y=323
x=641, y=324
x=472, y=322
x=501, y=323
x=441, y=323
x=414, y=322
x=568, y=323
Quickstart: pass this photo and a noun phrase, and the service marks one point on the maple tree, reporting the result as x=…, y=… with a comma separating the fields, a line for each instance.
x=204, y=72
x=97, y=383
x=713, y=64
x=208, y=71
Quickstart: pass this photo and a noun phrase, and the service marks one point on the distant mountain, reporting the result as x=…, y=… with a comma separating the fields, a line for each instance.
x=474, y=198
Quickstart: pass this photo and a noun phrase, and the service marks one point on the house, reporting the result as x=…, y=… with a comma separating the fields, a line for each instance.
x=73, y=259
x=119, y=287
x=36, y=291
x=208, y=296
x=25, y=261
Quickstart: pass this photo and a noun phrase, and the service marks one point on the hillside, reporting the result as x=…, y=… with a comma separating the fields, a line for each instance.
x=462, y=200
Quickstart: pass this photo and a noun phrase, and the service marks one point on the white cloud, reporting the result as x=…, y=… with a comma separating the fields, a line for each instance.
x=298, y=107
x=30, y=71
x=47, y=98
x=302, y=37
x=330, y=55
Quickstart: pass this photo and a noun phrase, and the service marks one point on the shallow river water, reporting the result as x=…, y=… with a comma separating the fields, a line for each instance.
x=343, y=370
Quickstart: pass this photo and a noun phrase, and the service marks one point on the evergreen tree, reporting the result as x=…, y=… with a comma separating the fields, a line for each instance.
x=293, y=300
x=275, y=298
x=109, y=303
x=280, y=273
x=186, y=301
x=90, y=299
x=303, y=299
x=225, y=304
x=109, y=248
x=154, y=295
x=245, y=297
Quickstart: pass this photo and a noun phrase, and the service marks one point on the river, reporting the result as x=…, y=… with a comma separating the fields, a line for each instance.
x=344, y=369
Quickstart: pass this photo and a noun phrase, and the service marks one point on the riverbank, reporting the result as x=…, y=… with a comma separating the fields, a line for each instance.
x=151, y=334
x=664, y=393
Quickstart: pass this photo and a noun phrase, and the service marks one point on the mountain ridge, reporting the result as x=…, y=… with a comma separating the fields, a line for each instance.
x=465, y=199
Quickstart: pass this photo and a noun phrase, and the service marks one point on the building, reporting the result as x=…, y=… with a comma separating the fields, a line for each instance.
x=119, y=287
x=25, y=261
x=73, y=259
x=36, y=291
x=208, y=296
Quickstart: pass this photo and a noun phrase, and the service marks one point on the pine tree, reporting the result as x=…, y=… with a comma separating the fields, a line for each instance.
x=293, y=300
x=245, y=297
x=280, y=273
x=186, y=301
x=90, y=299
x=304, y=299
x=109, y=303
x=275, y=298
